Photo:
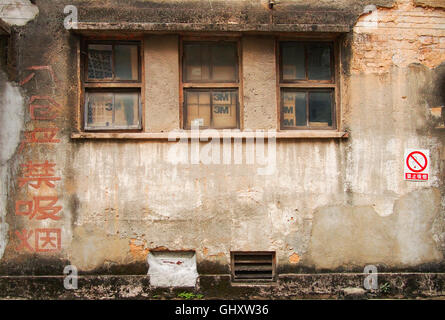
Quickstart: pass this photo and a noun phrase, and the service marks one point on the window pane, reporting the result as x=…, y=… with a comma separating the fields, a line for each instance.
x=196, y=63
x=126, y=62
x=293, y=62
x=126, y=112
x=100, y=110
x=100, y=61
x=294, y=109
x=112, y=110
x=224, y=63
x=320, y=109
x=210, y=62
x=319, y=62
x=198, y=108
x=224, y=109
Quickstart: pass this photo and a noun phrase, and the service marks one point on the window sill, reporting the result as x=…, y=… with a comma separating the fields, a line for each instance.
x=300, y=134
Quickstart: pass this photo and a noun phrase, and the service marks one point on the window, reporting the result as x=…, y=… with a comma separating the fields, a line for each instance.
x=210, y=82
x=112, y=73
x=307, y=85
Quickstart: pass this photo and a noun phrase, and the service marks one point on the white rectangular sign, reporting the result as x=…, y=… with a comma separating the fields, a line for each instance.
x=416, y=165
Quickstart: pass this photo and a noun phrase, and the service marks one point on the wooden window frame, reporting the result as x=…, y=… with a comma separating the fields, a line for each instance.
x=306, y=85
x=209, y=86
x=110, y=85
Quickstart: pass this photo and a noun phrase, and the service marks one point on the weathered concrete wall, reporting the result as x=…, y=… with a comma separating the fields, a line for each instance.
x=330, y=205
x=357, y=235
x=162, y=92
x=18, y=12
x=386, y=106
x=11, y=122
x=259, y=72
x=230, y=14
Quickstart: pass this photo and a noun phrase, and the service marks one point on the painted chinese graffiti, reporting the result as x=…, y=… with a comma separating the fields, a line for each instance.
x=40, y=174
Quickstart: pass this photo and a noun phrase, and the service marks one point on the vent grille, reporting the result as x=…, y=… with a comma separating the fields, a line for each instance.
x=253, y=266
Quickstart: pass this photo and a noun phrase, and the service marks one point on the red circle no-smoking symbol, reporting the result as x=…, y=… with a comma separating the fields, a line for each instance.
x=416, y=161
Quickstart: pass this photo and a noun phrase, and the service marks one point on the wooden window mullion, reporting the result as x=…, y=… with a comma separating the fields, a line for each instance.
x=113, y=61
x=114, y=110
x=306, y=63
x=211, y=108
x=209, y=55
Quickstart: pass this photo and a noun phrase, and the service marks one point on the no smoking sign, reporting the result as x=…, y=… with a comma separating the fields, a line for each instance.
x=417, y=164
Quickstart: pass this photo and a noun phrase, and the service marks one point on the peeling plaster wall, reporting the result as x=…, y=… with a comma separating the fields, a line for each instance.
x=331, y=204
x=161, y=56
x=387, y=109
x=17, y=12
x=11, y=122
x=430, y=3
x=397, y=37
x=354, y=235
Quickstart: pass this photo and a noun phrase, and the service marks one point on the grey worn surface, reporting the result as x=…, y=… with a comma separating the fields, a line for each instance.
x=304, y=286
x=244, y=15
x=331, y=204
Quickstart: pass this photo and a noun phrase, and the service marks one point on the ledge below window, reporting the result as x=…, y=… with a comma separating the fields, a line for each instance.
x=300, y=134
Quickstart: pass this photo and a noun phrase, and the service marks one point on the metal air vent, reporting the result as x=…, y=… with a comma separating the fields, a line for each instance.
x=253, y=266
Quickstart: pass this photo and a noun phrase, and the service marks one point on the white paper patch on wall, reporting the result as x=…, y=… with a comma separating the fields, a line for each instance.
x=172, y=269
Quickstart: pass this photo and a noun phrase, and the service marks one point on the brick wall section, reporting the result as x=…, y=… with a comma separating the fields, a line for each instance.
x=398, y=36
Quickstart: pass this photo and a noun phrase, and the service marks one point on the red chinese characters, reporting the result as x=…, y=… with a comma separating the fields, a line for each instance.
x=45, y=240
x=35, y=69
x=40, y=207
x=37, y=173
x=23, y=237
x=40, y=135
x=48, y=240
x=43, y=111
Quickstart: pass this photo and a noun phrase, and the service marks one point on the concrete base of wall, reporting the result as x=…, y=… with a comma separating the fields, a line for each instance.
x=291, y=286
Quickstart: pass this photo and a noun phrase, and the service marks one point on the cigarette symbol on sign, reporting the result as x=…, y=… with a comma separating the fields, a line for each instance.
x=416, y=161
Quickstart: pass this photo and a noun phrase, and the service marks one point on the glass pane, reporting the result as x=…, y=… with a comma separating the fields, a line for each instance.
x=319, y=62
x=224, y=63
x=126, y=113
x=196, y=63
x=198, y=108
x=320, y=109
x=294, y=109
x=293, y=62
x=100, y=110
x=224, y=109
x=126, y=62
x=100, y=59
